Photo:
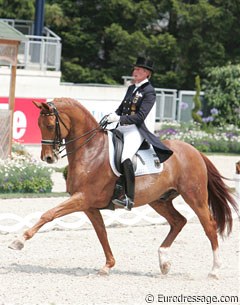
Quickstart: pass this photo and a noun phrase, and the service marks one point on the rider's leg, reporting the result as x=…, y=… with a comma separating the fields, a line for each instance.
x=128, y=199
x=132, y=141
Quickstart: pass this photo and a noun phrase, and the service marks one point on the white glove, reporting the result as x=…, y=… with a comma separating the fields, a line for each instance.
x=113, y=117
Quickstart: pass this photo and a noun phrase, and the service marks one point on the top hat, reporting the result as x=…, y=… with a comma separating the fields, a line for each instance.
x=144, y=63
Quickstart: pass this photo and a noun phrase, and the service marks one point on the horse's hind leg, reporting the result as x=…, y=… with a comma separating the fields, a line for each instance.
x=198, y=202
x=176, y=221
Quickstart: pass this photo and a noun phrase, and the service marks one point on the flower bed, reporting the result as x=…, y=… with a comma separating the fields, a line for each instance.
x=221, y=140
x=22, y=174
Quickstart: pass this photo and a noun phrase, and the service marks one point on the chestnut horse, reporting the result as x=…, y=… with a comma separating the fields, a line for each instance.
x=91, y=181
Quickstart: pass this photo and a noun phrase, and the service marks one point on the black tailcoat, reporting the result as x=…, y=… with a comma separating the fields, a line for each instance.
x=134, y=109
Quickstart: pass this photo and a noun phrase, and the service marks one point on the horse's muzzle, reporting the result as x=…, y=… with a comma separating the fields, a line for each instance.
x=50, y=158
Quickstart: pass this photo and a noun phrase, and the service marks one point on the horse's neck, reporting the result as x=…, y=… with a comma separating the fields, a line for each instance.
x=89, y=139
x=88, y=150
x=82, y=122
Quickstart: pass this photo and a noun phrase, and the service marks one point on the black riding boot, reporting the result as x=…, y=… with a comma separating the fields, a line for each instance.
x=129, y=176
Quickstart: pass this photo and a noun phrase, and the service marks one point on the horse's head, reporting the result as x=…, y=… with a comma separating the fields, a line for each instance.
x=53, y=129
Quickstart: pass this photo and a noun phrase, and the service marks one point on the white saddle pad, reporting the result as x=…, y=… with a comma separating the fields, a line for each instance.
x=147, y=161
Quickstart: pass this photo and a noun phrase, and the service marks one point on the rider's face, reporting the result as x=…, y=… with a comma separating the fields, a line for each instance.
x=139, y=74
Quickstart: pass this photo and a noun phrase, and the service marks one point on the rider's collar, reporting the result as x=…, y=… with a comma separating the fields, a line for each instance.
x=137, y=85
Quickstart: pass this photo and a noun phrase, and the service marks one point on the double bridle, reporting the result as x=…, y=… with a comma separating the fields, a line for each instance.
x=58, y=142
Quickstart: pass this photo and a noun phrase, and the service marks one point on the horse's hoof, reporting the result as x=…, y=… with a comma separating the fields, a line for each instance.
x=16, y=245
x=165, y=267
x=213, y=275
x=104, y=271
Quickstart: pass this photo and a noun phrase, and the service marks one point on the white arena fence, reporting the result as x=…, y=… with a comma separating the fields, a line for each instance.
x=13, y=223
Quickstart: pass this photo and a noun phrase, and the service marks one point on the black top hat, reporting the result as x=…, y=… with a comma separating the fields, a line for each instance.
x=144, y=63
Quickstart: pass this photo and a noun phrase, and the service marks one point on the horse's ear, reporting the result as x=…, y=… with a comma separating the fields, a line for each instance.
x=41, y=105
x=37, y=104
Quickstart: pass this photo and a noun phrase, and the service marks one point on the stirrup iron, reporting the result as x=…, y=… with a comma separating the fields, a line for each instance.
x=126, y=202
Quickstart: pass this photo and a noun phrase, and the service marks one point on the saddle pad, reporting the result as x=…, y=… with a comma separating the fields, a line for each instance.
x=151, y=164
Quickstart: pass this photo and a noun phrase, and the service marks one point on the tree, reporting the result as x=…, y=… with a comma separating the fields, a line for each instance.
x=197, y=102
x=222, y=91
x=17, y=9
x=101, y=41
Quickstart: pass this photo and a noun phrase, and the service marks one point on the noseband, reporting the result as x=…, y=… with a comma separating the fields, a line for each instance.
x=58, y=141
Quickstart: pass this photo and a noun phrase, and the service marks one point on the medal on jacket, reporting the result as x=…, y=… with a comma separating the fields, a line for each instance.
x=136, y=97
x=134, y=102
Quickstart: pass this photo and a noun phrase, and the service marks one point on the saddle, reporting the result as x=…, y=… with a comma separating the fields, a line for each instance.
x=118, y=142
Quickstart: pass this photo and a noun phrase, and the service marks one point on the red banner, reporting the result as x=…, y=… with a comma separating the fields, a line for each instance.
x=25, y=120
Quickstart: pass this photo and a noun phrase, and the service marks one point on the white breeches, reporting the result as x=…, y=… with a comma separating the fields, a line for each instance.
x=132, y=141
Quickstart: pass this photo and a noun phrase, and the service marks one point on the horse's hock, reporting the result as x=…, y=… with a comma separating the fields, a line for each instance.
x=5, y=133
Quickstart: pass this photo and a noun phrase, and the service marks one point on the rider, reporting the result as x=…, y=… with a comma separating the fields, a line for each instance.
x=131, y=114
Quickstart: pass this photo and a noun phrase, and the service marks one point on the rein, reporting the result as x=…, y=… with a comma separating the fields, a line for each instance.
x=58, y=141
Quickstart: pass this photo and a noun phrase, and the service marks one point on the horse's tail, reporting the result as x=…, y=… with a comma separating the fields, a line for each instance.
x=220, y=199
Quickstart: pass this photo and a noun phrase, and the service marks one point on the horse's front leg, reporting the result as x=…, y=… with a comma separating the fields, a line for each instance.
x=97, y=221
x=73, y=204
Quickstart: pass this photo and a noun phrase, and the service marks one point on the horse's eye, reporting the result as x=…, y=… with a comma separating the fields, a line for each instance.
x=50, y=127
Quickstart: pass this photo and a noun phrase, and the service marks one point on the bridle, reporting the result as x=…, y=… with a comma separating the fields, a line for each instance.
x=58, y=141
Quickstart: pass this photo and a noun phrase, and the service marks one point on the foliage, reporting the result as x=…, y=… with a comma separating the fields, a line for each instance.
x=222, y=91
x=101, y=41
x=19, y=149
x=197, y=102
x=17, y=9
x=22, y=174
x=54, y=15
x=220, y=140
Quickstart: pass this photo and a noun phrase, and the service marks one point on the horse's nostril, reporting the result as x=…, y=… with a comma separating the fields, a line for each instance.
x=49, y=159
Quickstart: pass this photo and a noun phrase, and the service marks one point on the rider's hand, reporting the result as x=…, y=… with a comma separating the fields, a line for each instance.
x=113, y=117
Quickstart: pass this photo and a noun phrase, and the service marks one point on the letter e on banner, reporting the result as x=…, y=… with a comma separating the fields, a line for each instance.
x=25, y=119
x=19, y=124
